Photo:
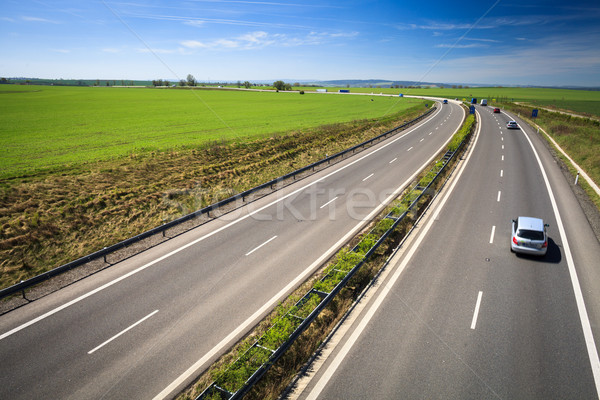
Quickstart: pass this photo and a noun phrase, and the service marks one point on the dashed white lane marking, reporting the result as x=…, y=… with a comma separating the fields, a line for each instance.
x=329, y=202
x=256, y=248
x=368, y=177
x=492, y=235
x=122, y=332
x=476, y=312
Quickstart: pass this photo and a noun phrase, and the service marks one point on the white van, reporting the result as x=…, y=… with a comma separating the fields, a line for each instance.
x=484, y=102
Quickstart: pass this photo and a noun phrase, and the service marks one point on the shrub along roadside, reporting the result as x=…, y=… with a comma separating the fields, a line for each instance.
x=250, y=355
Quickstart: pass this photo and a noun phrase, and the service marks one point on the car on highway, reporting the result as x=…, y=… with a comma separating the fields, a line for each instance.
x=529, y=236
x=496, y=110
x=512, y=125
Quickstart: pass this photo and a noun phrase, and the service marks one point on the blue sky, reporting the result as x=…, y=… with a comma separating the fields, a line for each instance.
x=488, y=42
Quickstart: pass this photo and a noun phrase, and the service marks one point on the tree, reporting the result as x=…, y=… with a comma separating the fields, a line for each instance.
x=191, y=81
x=279, y=85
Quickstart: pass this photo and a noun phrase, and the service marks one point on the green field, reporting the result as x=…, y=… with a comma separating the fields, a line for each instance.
x=582, y=101
x=45, y=127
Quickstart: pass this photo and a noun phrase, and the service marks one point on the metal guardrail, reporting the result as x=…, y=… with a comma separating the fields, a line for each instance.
x=23, y=285
x=215, y=390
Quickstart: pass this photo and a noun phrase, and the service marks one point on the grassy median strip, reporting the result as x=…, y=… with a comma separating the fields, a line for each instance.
x=231, y=373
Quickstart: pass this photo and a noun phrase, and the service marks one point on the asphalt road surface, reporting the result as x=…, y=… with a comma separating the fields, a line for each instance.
x=146, y=326
x=457, y=315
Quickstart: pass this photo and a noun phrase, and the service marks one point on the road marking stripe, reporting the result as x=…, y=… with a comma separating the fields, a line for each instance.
x=393, y=160
x=329, y=202
x=430, y=133
x=492, y=235
x=501, y=173
x=256, y=248
x=502, y=157
x=499, y=193
x=476, y=312
x=368, y=177
x=409, y=149
x=421, y=140
x=122, y=332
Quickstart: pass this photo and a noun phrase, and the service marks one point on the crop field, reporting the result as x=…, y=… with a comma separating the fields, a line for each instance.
x=582, y=101
x=46, y=127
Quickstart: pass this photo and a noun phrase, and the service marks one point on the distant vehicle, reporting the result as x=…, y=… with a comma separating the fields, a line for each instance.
x=529, y=236
x=512, y=125
x=496, y=110
x=445, y=101
x=474, y=100
x=484, y=102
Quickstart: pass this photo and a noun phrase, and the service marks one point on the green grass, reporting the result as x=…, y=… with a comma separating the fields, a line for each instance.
x=578, y=137
x=590, y=108
x=46, y=127
x=583, y=101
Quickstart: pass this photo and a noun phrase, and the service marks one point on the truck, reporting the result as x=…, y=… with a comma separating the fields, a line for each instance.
x=474, y=100
x=484, y=102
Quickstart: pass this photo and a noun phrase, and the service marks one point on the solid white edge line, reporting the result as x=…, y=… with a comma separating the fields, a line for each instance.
x=385, y=289
x=492, y=235
x=368, y=177
x=122, y=332
x=256, y=248
x=329, y=202
x=583, y=316
x=301, y=278
x=192, y=243
x=476, y=312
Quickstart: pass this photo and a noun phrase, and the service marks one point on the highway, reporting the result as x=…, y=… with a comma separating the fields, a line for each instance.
x=146, y=326
x=456, y=315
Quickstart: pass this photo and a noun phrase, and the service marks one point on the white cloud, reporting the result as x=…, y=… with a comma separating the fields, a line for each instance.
x=194, y=22
x=541, y=64
x=37, y=19
x=262, y=39
x=459, y=46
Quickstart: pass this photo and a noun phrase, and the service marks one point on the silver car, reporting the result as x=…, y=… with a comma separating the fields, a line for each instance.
x=512, y=125
x=529, y=236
